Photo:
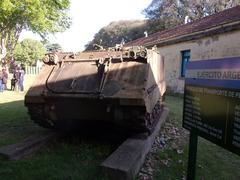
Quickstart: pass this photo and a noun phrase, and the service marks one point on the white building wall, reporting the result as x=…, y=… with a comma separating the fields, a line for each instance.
x=214, y=47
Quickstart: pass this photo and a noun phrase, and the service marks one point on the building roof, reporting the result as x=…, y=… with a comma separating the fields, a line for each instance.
x=209, y=25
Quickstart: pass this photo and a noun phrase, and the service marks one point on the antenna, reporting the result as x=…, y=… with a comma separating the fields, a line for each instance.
x=146, y=33
x=186, y=20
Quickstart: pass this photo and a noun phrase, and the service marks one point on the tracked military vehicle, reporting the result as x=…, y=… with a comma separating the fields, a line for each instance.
x=122, y=87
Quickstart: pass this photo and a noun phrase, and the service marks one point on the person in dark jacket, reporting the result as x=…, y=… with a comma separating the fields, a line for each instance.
x=13, y=84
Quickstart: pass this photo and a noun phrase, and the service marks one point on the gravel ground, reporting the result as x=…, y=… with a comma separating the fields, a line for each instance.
x=169, y=136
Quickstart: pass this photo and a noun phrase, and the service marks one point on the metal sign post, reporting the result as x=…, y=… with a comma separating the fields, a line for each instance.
x=192, y=156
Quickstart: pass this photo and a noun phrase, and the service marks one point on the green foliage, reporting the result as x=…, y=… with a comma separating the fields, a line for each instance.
x=165, y=14
x=29, y=51
x=118, y=31
x=39, y=16
x=53, y=47
x=201, y=8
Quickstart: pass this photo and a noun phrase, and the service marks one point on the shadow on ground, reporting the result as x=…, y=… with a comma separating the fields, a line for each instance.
x=75, y=156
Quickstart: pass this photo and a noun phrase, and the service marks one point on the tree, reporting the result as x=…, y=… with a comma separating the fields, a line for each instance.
x=165, y=14
x=201, y=8
x=53, y=47
x=117, y=32
x=29, y=51
x=39, y=16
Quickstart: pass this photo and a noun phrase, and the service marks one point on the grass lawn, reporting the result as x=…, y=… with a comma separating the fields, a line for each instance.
x=79, y=158
x=71, y=158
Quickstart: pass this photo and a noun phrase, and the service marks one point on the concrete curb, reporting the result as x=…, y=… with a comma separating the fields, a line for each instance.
x=28, y=146
x=126, y=161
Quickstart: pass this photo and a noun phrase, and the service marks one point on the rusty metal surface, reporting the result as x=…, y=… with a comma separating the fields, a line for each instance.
x=75, y=77
x=122, y=87
x=87, y=77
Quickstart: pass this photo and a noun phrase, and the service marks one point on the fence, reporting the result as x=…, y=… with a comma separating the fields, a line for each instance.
x=32, y=70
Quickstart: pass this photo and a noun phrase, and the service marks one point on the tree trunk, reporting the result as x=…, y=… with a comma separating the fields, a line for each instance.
x=8, y=41
x=3, y=49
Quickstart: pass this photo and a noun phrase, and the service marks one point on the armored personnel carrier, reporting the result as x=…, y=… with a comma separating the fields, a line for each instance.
x=124, y=88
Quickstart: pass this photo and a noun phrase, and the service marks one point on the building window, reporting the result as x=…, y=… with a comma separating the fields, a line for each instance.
x=185, y=60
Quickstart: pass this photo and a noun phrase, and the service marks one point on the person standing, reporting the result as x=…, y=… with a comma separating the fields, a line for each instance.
x=4, y=79
x=21, y=79
x=16, y=75
x=1, y=80
x=13, y=83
